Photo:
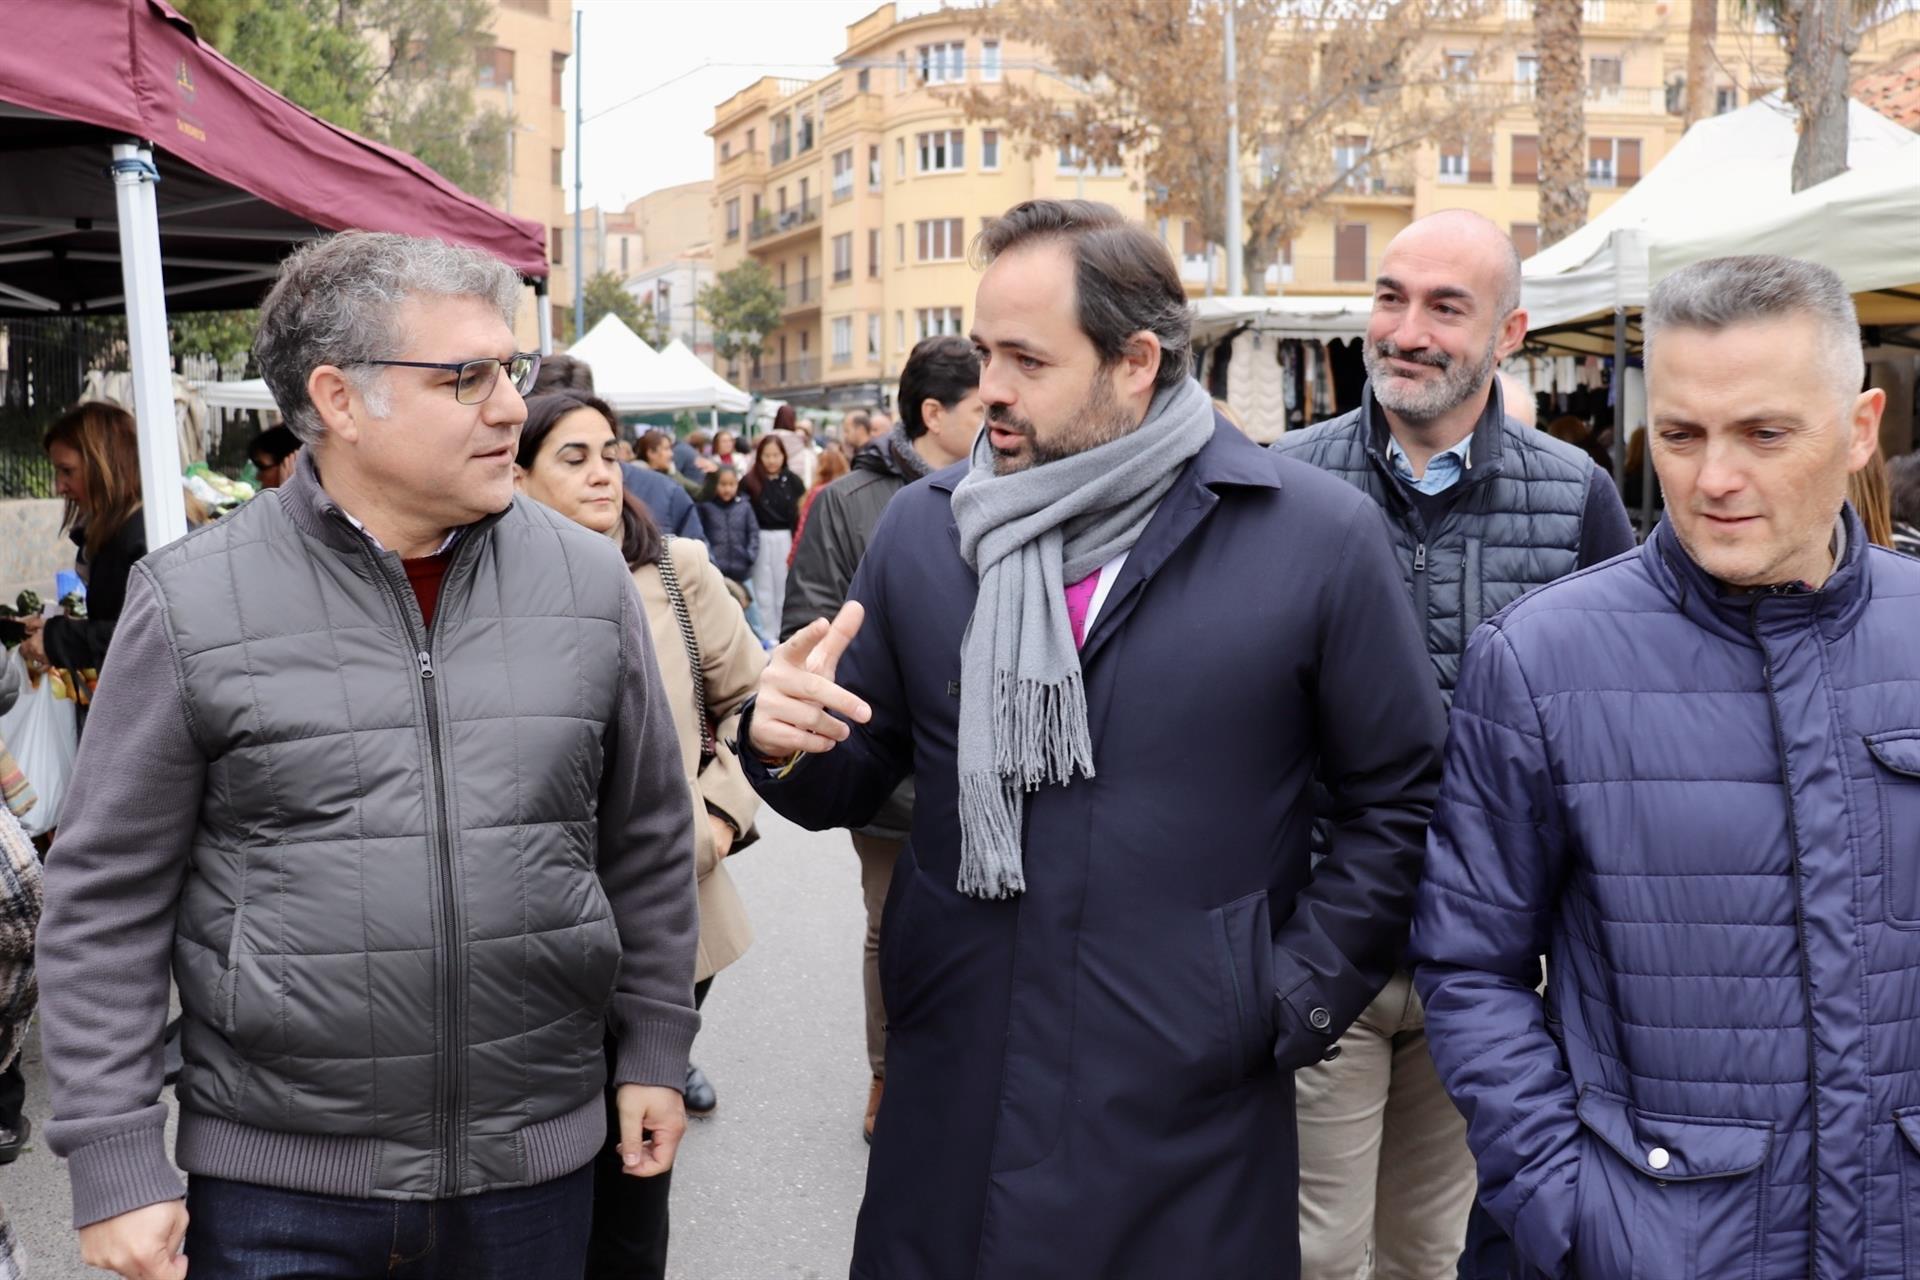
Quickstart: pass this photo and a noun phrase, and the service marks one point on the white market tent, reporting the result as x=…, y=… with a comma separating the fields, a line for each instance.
x=1864, y=224
x=678, y=359
x=250, y=394
x=1739, y=161
x=1288, y=316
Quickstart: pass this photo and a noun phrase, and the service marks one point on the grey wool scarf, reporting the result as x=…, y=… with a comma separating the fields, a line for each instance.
x=1023, y=706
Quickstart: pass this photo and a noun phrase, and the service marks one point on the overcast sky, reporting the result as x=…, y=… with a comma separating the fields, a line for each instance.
x=670, y=63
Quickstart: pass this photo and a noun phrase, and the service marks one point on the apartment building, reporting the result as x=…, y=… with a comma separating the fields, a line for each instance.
x=521, y=75
x=862, y=190
x=1636, y=63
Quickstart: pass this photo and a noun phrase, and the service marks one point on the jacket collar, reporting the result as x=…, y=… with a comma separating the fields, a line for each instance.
x=1483, y=456
x=315, y=513
x=1747, y=616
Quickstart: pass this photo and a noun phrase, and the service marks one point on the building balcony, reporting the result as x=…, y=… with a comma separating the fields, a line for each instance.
x=1395, y=187
x=771, y=228
x=855, y=111
x=779, y=375
x=802, y=295
x=741, y=166
x=1625, y=99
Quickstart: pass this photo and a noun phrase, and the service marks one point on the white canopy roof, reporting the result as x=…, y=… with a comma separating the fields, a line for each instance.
x=1287, y=316
x=1739, y=161
x=1865, y=224
x=250, y=394
x=678, y=359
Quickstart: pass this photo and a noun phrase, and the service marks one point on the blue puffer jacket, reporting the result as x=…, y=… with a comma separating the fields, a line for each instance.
x=1704, y=809
x=733, y=536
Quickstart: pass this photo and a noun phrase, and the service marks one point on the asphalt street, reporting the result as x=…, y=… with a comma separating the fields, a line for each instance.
x=768, y=1188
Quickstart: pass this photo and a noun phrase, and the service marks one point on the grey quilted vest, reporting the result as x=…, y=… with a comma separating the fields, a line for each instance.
x=1516, y=526
x=393, y=951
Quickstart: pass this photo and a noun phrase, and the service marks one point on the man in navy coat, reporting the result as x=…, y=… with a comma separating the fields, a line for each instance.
x=1116, y=649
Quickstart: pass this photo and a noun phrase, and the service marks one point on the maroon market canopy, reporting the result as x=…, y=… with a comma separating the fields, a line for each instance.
x=244, y=174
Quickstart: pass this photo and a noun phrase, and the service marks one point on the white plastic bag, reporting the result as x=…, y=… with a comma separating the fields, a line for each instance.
x=43, y=736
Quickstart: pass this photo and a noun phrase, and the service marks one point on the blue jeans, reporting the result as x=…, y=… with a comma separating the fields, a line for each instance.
x=239, y=1231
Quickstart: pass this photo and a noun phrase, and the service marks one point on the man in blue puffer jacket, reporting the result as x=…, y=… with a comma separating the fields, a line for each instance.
x=1691, y=777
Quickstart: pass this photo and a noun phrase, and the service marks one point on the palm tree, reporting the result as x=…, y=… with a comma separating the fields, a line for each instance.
x=1559, y=106
x=1702, y=27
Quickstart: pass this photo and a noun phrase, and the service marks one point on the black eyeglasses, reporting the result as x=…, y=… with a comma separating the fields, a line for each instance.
x=477, y=377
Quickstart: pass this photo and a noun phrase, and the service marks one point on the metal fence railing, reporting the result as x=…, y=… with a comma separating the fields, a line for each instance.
x=43, y=365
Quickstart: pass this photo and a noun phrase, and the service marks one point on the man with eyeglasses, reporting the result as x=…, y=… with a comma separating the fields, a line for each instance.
x=381, y=768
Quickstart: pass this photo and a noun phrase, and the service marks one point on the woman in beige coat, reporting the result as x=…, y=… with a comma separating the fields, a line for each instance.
x=567, y=460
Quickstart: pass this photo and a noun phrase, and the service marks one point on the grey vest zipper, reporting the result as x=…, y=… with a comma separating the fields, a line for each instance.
x=453, y=1054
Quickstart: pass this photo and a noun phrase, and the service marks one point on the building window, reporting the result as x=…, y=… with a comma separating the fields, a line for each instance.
x=873, y=254
x=1526, y=238
x=1594, y=11
x=863, y=81
x=899, y=158
x=1526, y=160
x=1526, y=68
x=934, y=321
x=943, y=63
x=873, y=335
x=1519, y=10
x=806, y=188
x=529, y=6
x=843, y=174
x=1193, y=241
x=843, y=339
x=733, y=218
x=496, y=68
x=900, y=331
x=750, y=139
x=625, y=269
x=1459, y=66
x=756, y=206
x=805, y=131
x=1603, y=78
x=1350, y=252
x=726, y=152
x=873, y=167
x=843, y=258
x=900, y=84
x=942, y=239
x=1467, y=161
x=1350, y=167
x=559, y=85
x=990, y=149
x=899, y=243
x=1072, y=159
x=943, y=151
x=1613, y=162
x=559, y=167
x=1725, y=99
x=990, y=60
x=1453, y=162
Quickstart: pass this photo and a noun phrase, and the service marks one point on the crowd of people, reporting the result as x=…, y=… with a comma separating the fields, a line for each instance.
x=1360, y=856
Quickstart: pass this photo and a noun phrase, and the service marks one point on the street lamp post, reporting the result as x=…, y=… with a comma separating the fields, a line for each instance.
x=579, y=251
x=1233, y=163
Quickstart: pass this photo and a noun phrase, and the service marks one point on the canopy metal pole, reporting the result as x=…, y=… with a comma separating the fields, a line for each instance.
x=544, y=318
x=160, y=488
x=1620, y=399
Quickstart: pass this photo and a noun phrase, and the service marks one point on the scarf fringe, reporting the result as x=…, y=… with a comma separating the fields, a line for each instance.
x=990, y=862
x=1041, y=733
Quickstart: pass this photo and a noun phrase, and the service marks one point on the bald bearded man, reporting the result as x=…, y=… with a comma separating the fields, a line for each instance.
x=1483, y=510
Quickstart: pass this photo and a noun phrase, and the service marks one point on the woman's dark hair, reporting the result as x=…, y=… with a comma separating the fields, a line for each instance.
x=108, y=443
x=650, y=441
x=275, y=444
x=544, y=412
x=1903, y=485
x=944, y=368
x=640, y=540
x=756, y=476
x=1124, y=278
x=562, y=373
x=784, y=417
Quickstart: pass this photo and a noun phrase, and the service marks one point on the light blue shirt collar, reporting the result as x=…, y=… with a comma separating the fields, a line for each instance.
x=1444, y=470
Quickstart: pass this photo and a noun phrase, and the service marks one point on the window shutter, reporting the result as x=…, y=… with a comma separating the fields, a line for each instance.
x=1526, y=159
x=1629, y=161
x=1350, y=252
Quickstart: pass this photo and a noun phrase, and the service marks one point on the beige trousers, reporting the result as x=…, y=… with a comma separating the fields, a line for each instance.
x=1386, y=1179
x=876, y=873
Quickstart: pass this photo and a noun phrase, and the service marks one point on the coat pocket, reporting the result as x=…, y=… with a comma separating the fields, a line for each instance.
x=1897, y=781
x=1908, y=1156
x=1243, y=947
x=227, y=995
x=1681, y=1197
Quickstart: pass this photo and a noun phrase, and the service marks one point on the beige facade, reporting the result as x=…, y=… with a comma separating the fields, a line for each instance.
x=668, y=225
x=521, y=75
x=861, y=192
x=1636, y=65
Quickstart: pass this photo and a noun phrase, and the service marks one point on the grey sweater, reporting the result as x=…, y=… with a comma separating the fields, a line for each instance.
x=394, y=886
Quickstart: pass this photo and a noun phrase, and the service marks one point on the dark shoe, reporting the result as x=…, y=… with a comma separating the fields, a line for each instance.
x=873, y=1105
x=701, y=1099
x=14, y=1140
x=176, y=1058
